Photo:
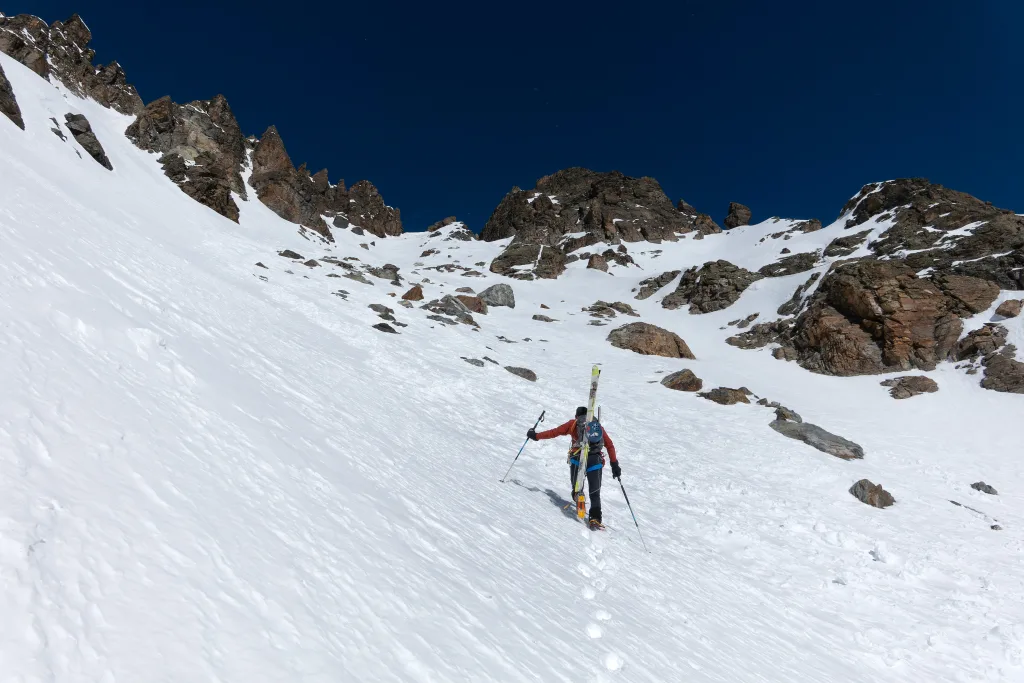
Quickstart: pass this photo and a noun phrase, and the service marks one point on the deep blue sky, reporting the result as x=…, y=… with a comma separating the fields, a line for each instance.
x=789, y=107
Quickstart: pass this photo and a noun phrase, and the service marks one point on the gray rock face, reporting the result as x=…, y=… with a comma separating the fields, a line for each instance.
x=499, y=295
x=844, y=246
x=525, y=373
x=984, y=488
x=526, y=261
x=8, y=104
x=790, y=265
x=597, y=262
x=81, y=130
x=202, y=148
x=905, y=387
x=725, y=396
x=684, y=380
x=1003, y=372
x=815, y=436
x=384, y=327
x=712, y=287
x=650, y=340
x=62, y=52
x=738, y=215
x=651, y=285
x=871, y=494
x=451, y=306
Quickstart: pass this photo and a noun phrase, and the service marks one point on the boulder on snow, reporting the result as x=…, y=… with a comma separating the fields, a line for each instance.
x=597, y=262
x=449, y=305
x=905, y=387
x=473, y=303
x=725, y=396
x=1010, y=308
x=499, y=295
x=525, y=373
x=384, y=327
x=415, y=293
x=873, y=494
x=81, y=130
x=288, y=253
x=815, y=436
x=738, y=215
x=650, y=340
x=652, y=284
x=544, y=318
x=784, y=413
x=474, y=361
x=684, y=380
x=984, y=488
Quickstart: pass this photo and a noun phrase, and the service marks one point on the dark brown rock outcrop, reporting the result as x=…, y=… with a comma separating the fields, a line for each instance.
x=872, y=494
x=81, y=130
x=605, y=207
x=652, y=284
x=877, y=316
x=8, y=103
x=528, y=261
x=201, y=147
x=738, y=215
x=712, y=287
x=790, y=265
x=61, y=51
x=650, y=340
x=726, y=396
x=1010, y=308
x=366, y=208
x=292, y=193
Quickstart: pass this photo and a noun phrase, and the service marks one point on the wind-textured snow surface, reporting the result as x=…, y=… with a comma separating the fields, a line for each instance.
x=209, y=476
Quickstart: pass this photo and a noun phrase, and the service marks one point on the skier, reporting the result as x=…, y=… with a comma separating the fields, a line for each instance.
x=576, y=428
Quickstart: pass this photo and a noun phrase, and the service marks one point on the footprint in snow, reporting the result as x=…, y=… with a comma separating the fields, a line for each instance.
x=613, y=662
x=589, y=593
x=602, y=615
x=594, y=631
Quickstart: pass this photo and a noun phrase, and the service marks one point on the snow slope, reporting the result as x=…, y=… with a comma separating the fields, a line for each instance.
x=209, y=476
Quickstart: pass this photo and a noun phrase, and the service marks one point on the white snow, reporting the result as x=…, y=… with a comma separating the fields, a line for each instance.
x=208, y=476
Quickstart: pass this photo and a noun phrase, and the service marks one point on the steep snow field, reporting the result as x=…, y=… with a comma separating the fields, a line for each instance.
x=207, y=476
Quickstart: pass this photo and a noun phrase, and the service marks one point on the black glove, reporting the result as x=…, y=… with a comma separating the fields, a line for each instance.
x=532, y=434
x=616, y=470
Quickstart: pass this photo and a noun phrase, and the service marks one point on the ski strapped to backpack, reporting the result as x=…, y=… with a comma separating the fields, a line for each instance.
x=581, y=470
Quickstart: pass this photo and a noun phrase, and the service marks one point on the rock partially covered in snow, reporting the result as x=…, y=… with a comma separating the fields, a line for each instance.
x=725, y=396
x=873, y=494
x=984, y=488
x=712, y=287
x=499, y=295
x=652, y=284
x=525, y=373
x=905, y=387
x=1010, y=308
x=650, y=340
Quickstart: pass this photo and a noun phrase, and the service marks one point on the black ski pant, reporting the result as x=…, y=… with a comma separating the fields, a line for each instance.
x=593, y=483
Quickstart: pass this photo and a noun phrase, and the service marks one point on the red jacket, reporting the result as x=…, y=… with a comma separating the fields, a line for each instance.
x=569, y=429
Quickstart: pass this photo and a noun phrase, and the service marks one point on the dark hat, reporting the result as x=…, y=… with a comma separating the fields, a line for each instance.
x=581, y=411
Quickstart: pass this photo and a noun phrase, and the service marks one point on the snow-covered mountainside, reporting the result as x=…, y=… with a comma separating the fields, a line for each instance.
x=218, y=463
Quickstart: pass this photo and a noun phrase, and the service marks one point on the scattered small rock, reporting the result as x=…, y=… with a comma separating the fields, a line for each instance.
x=684, y=380
x=784, y=413
x=358, y=277
x=384, y=327
x=260, y=264
x=474, y=361
x=872, y=494
x=725, y=396
x=984, y=488
x=522, y=372
x=473, y=303
x=312, y=263
x=288, y=253
x=415, y=293
x=544, y=318
x=905, y=387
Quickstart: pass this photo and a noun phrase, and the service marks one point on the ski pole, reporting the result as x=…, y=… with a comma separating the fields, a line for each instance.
x=539, y=420
x=631, y=512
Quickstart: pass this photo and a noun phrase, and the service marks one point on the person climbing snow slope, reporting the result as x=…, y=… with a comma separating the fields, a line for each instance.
x=576, y=428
